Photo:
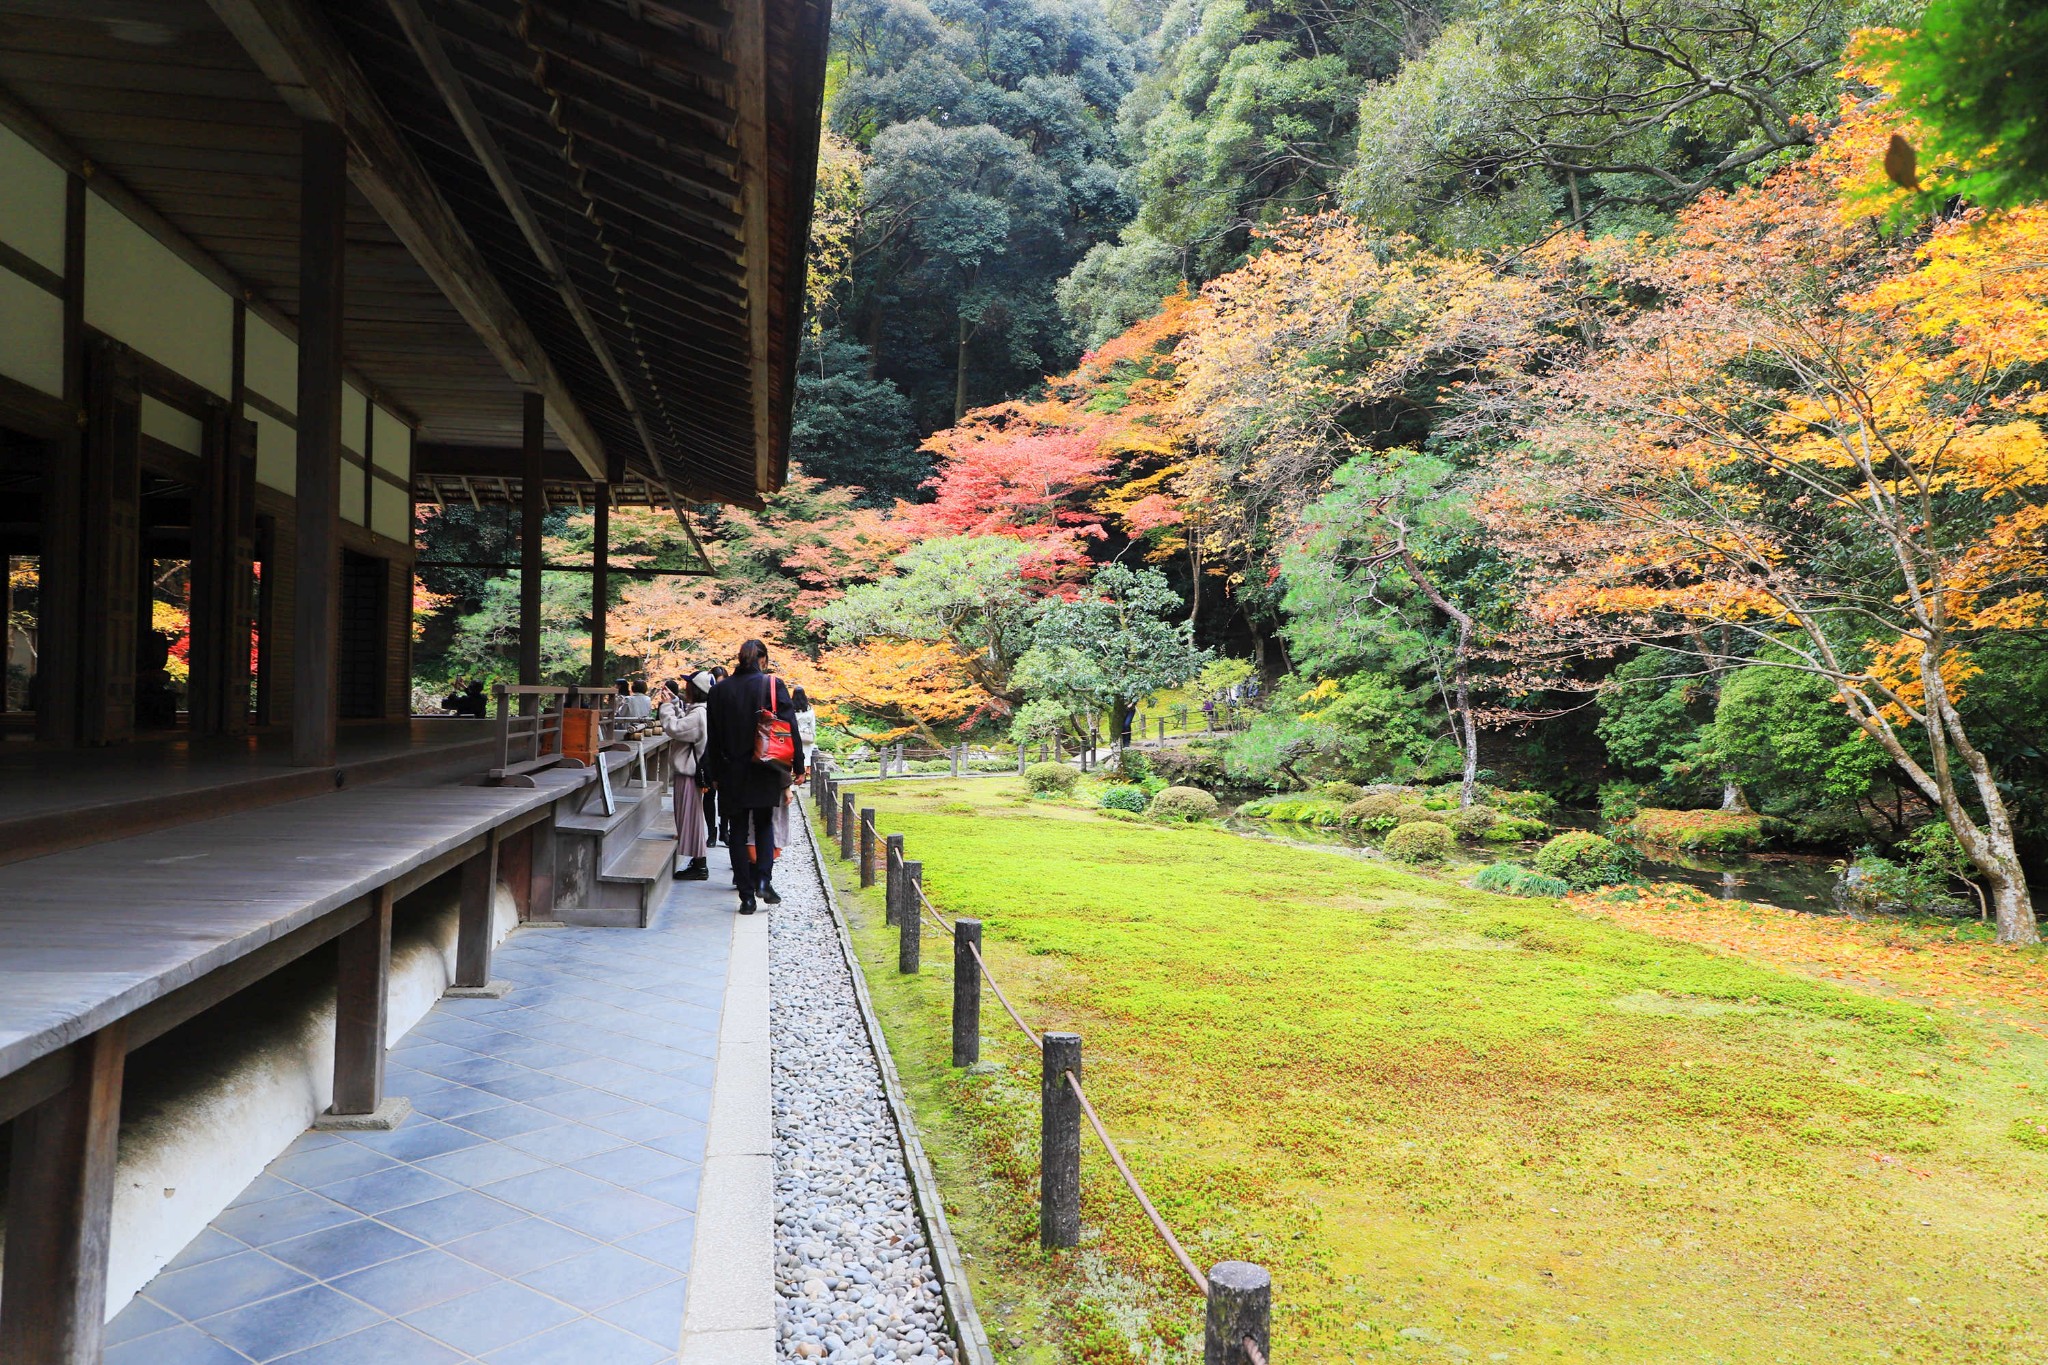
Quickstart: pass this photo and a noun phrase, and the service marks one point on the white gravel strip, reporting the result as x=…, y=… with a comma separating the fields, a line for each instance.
x=853, y=1277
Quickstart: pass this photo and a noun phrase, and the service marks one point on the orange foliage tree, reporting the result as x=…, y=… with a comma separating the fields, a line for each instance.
x=1824, y=447
x=914, y=684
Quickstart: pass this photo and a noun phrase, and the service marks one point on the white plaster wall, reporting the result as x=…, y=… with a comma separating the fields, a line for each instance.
x=194, y=1153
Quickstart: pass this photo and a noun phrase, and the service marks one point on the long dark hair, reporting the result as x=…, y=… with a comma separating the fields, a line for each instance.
x=753, y=654
x=798, y=699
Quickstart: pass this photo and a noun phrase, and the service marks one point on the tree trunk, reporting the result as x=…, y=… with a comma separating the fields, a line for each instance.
x=1462, y=724
x=1731, y=794
x=960, y=373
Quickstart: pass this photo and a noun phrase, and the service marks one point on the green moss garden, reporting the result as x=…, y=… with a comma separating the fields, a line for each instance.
x=1454, y=1125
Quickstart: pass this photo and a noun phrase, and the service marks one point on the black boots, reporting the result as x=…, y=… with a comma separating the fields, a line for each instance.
x=696, y=870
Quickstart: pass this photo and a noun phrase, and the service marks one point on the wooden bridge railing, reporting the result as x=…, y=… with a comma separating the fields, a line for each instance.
x=1238, y=1295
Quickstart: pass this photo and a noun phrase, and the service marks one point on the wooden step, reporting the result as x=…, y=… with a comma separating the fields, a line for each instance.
x=627, y=890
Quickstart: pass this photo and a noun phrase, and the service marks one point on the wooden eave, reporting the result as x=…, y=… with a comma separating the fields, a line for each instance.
x=602, y=200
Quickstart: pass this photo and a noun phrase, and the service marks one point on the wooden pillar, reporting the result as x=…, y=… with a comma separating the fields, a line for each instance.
x=600, y=582
x=63, y=505
x=473, y=925
x=361, y=1003
x=316, y=613
x=60, y=1209
x=540, y=862
x=533, y=508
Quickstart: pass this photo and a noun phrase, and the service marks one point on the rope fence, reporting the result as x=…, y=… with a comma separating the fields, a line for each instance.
x=1237, y=1294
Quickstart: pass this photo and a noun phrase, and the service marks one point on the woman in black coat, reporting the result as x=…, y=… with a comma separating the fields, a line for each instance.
x=748, y=790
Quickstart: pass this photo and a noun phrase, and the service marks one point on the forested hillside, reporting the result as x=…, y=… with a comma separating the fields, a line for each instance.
x=1637, y=399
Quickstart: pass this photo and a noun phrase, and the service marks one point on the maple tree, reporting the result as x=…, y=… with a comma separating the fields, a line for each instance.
x=1824, y=443
x=912, y=683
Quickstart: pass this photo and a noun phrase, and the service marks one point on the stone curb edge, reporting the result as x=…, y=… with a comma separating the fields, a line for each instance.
x=961, y=1315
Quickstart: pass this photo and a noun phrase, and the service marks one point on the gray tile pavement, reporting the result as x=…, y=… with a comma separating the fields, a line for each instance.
x=538, y=1206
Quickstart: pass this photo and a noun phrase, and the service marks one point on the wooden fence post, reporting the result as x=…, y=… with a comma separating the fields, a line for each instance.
x=1240, y=1306
x=892, y=878
x=966, y=992
x=1059, y=1143
x=867, y=846
x=1021, y=758
x=959, y=750
x=832, y=810
x=910, y=917
x=847, y=827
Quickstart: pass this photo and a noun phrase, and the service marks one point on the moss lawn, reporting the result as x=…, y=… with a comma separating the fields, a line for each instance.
x=1455, y=1126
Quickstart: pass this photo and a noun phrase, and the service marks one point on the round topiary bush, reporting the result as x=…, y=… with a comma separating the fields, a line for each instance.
x=1472, y=822
x=1514, y=829
x=1051, y=779
x=1343, y=793
x=1132, y=799
x=1419, y=841
x=1185, y=803
x=1378, y=812
x=1586, y=861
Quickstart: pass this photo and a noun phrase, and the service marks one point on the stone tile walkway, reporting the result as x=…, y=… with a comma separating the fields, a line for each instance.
x=537, y=1208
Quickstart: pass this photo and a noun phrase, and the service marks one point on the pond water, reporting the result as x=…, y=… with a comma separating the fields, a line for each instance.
x=1790, y=880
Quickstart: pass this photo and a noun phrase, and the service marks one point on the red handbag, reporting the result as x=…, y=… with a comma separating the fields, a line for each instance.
x=774, y=740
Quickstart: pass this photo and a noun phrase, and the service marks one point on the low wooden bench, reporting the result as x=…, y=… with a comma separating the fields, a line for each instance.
x=103, y=949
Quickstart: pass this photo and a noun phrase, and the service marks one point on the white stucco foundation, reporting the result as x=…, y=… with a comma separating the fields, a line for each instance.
x=197, y=1133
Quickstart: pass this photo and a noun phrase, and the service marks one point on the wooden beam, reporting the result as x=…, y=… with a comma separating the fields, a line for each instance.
x=749, y=46
x=63, y=505
x=449, y=84
x=361, y=1008
x=316, y=601
x=296, y=48
x=60, y=1213
x=166, y=1012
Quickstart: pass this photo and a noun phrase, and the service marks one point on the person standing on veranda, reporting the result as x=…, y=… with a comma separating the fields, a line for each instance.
x=683, y=721
x=750, y=789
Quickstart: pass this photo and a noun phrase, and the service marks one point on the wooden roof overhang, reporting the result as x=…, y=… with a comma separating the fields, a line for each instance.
x=605, y=201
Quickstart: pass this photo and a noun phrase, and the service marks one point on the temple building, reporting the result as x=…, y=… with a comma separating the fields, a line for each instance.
x=274, y=274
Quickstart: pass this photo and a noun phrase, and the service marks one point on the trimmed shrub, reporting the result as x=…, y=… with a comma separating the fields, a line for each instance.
x=1472, y=822
x=1586, y=861
x=1132, y=799
x=1419, y=841
x=1187, y=764
x=1510, y=879
x=1295, y=809
x=991, y=765
x=1534, y=804
x=1514, y=829
x=1185, y=803
x=1700, y=831
x=1133, y=765
x=1343, y=793
x=1051, y=779
x=1378, y=812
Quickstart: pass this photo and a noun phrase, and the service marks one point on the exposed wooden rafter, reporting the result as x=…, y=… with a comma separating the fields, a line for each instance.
x=454, y=92
x=313, y=72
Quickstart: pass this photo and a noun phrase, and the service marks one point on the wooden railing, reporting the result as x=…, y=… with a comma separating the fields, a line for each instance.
x=1238, y=1295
